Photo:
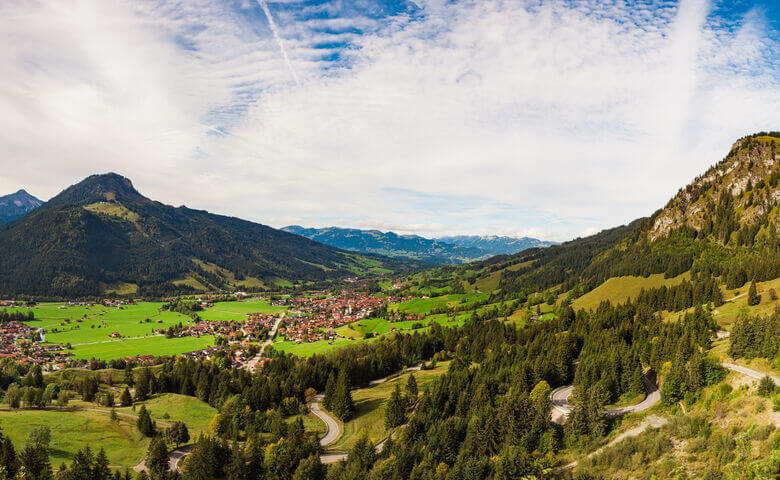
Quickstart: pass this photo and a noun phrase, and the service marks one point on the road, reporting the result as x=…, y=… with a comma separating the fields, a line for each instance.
x=650, y=421
x=561, y=409
x=561, y=395
x=333, y=427
x=251, y=364
x=750, y=373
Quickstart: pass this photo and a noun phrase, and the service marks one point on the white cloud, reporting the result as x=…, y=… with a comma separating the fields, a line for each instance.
x=552, y=118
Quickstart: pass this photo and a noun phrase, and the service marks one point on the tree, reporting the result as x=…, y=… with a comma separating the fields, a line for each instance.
x=100, y=470
x=108, y=399
x=310, y=468
x=13, y=397
x=178, y=433
x=395, y=411
x=157, y=457
x=766, y=386
x=411, y=389
x=40, y=436
x=144, y=422
x=753, y=297
x=330, y=389
x=63, y=398
x=125, y=399
x=341, y=404
x=35, y=463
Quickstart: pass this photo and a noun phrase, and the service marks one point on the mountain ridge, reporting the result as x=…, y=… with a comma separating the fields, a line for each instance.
x=16, y=205
x=102, y=232
x=446, y=250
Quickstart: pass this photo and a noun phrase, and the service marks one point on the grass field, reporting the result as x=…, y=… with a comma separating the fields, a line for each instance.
x=170, y=407
x=357, y=331
x=72, y=430
x=370, y=407
x=238, y=310
x=619, y=289
x=142, y=346
x=93, y=324
x=424, y=306
x=87, y=329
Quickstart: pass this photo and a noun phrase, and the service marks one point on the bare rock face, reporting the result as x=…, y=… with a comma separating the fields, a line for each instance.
x=749, y=174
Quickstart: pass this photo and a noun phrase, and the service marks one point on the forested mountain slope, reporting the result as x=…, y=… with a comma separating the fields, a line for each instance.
x=391, y=244
x=102, y=232
x=724, y=224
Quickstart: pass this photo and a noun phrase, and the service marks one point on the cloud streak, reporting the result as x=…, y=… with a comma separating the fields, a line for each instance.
x=278, y=38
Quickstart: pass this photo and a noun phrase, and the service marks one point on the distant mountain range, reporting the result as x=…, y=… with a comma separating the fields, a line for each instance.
x=16, y=205
x=444, y=250
x=102, y=236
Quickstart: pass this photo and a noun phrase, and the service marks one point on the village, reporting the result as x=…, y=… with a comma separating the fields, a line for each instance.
x=308, y=318
x=313, y=318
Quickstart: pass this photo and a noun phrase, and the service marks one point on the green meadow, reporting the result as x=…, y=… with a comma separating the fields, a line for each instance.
x=171, y=407
x=142, y=346
x=238, y=310
x=72, y=430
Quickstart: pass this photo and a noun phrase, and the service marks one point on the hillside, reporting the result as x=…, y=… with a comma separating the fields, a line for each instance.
x=102, y=235
x=723, y=225
x=445, y=250
x=16, y=205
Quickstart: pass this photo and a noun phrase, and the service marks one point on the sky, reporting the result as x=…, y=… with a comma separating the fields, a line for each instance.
x=550, y=119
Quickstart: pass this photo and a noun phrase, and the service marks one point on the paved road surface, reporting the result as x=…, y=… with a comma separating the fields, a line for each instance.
x=561, y=409
x=251, y=364
x=749, y=372
x=333, y=426
x=650, y=421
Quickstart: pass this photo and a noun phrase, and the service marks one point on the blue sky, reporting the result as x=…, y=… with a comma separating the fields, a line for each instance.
x=551, y=119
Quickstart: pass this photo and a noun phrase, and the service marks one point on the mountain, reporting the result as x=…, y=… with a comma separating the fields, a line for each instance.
x=101, y=236
x=391, y=244
x=723, y=225
x=16, y=205
x=496, y=245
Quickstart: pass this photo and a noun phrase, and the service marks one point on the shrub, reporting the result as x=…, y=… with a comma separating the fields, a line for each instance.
x=766, y=387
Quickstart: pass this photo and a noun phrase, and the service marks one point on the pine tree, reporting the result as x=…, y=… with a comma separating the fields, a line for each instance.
x=411, y=389
x=125, y=399
x=395, y=411
x=753, y=297
x=157, y=457
x=330, y=389
x=342, y=405
x=144, y=422
x=100, y=470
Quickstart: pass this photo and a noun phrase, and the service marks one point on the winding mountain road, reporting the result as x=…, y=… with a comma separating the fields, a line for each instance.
x=333, y=426
x=561, y=409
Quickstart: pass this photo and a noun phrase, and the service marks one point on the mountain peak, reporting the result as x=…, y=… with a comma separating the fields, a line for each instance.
x=16, y=205
x=99, y=188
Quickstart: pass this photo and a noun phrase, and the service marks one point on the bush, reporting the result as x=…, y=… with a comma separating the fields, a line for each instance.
x=766, y=387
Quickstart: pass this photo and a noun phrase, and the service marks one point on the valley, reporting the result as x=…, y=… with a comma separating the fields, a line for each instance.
x=651, y=350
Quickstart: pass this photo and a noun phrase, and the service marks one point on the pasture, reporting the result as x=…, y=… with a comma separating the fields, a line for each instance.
x=72, y=430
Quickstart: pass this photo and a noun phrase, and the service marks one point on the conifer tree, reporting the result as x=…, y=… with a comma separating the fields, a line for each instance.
x=753, y=297
x=157, y=457
x=144, y=422
x=125, y=399
x=330, y=389
x=411, y=389
x=342, y=405
x=395, y=411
